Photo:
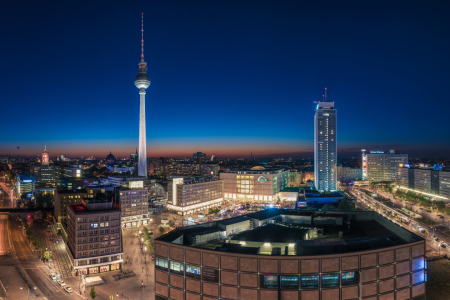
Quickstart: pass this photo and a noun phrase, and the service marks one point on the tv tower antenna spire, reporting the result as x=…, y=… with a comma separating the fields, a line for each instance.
x=142, y=39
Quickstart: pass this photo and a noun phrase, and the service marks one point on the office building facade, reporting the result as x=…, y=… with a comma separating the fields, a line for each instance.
x=187, y=195
x=379, y=166
x=94, y=240
x=257, y=184
x=425, y=180
x=325, y=147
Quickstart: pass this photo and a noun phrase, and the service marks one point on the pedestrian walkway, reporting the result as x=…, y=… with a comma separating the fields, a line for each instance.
x=52, y=242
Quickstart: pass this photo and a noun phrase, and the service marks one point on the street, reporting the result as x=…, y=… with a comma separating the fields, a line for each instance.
x=365, y=201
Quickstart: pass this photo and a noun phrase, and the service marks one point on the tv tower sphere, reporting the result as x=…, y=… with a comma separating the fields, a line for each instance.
x=142, y=81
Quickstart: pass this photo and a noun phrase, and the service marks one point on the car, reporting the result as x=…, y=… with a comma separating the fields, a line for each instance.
x=443, y=246
x=61, y=283
x=68, y=289
x=53, y=276
x=437, y=240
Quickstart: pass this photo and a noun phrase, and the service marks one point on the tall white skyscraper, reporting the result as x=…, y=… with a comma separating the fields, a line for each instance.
x=142, y=81
x=325, y=170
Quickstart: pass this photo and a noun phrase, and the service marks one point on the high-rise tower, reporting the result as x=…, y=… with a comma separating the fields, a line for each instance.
x=45, y=160
x=325, y=169
x=142, y=81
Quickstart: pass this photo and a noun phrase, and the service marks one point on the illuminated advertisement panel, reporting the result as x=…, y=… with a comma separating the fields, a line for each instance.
x=310, y=281
x=289, y=282
x=271, y=281
x=349, y=278
x=330, y=280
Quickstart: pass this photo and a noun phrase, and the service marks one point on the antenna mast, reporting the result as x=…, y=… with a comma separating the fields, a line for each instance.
x=142, y=39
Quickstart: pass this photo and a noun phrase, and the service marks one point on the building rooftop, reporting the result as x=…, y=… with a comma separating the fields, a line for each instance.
x=312, y=232
x=272, y=233
x=81, y=209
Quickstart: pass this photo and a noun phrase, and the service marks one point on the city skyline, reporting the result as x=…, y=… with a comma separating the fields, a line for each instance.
x=236, y=86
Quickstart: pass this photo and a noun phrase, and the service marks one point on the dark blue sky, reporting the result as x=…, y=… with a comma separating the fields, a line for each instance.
x=228, y=77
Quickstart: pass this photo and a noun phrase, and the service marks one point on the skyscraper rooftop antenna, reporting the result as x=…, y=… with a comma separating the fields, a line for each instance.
x=325, y=94
x=142, y=39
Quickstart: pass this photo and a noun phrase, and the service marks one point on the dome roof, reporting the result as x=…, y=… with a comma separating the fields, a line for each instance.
x=258, y=168
x=110, y=156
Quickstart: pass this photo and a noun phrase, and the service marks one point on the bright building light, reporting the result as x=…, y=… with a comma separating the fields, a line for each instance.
x=266, y=244
x=291, y=245
x=242, y=243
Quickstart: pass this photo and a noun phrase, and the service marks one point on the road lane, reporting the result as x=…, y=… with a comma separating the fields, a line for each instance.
x=4, y=235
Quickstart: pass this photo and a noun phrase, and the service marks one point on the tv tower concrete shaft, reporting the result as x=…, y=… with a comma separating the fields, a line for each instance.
x=142, y=168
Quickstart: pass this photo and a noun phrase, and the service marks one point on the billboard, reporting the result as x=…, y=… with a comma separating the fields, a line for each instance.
x=289, y=282
x=310, y=281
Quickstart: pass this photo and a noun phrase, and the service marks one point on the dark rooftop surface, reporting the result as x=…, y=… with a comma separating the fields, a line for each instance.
x=272, y=233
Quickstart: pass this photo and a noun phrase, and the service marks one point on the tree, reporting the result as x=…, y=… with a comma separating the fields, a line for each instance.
x=44, y=215
x=35, y=242
x=162, y=230
x=41, y=249
x=47, y=255
x=93, y=293
x=426, y=232
x=29, y=234
x=24, y=221
x=328, y=207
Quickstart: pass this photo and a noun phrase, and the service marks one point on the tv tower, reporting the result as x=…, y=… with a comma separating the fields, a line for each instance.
x=142, y=81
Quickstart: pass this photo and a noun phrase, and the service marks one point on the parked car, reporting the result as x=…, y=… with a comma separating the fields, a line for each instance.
x=53, y=276
x=68, y=289
x=61, y=283
x=443, y=246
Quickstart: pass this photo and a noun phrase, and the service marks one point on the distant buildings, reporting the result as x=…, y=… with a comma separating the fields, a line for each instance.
x=378, y=166
x=134, y=157
x=186, y=195
x=185, y=169
x=325, y=171
x=346, y=174
x=256, y=184
x=94, y=240
x=432, y=181
x=199, y=157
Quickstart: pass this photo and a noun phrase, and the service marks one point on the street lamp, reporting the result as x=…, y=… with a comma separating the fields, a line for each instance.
x=28, y=297
x=122, y=295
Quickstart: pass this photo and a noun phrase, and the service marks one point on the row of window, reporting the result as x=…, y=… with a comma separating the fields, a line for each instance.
x=266, y=281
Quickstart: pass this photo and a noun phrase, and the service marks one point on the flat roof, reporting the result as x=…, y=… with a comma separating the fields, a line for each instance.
x=328, y=232
x=272, y=233
x=80, y=209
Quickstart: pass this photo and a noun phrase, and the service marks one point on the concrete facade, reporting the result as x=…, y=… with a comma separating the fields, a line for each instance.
x=188, y=195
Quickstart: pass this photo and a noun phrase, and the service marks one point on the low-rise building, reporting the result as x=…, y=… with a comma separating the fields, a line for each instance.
x=186, y=195
x=256, y=184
